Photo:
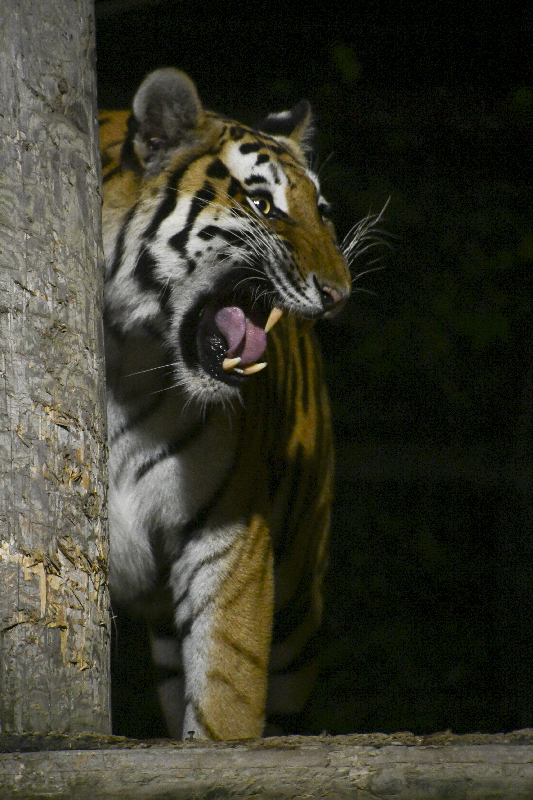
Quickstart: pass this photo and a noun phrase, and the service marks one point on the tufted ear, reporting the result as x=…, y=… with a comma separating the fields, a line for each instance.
x=166, y=113
x=294, y=124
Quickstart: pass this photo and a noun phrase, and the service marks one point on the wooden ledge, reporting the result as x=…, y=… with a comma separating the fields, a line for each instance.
x=359, y=766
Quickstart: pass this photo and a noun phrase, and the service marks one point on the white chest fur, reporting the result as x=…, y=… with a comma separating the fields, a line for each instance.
x=164, y=470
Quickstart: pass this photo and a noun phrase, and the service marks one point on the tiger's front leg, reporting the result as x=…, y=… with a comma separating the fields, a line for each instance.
x=166, y=651
x=222, y=588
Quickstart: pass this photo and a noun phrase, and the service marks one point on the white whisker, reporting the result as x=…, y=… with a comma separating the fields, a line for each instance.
x=151, y=369
x=366, y=272
x=366, y=291
x=326, y=161
x=364, y=236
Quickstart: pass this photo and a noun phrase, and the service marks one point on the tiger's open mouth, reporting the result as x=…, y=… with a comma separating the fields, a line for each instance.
x=227, y=336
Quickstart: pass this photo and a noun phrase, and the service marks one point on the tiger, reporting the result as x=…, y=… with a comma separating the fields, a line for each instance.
x=220, y=256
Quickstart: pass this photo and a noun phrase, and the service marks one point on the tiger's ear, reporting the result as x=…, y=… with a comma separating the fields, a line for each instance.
x=166, y=114
x=295, y=124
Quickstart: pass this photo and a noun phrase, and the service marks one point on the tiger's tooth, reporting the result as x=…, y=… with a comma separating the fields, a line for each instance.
x=273, y=317
x=230, y=363
x=254, y=368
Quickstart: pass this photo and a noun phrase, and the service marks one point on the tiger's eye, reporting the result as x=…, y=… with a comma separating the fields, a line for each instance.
x=263, y=205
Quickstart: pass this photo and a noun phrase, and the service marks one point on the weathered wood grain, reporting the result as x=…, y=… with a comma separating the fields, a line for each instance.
x=363, y=767
x=53, y=599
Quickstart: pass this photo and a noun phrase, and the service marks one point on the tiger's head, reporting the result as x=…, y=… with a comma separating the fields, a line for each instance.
x=214, y=230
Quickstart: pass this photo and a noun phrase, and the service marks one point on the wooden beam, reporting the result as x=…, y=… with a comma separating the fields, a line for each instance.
x=363, y=767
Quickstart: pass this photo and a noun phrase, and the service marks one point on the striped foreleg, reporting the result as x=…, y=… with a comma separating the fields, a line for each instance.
x=166, y=655
x=223, y=590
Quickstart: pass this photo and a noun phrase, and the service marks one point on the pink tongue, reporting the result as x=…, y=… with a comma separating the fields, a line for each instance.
x=244, y=337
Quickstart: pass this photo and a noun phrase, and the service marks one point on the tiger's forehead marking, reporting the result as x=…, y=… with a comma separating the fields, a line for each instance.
x=261, y=162
x=257, y=171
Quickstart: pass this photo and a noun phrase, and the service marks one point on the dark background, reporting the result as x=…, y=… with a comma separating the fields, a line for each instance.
x=429, y=595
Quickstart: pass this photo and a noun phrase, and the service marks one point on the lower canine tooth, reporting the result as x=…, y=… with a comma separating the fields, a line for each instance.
x=230, y=363
x=273, y=317
x=254, y=368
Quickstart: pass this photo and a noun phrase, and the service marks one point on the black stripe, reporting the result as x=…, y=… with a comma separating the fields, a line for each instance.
x=196, y=526
x=236, y=132
x=144, y=271
x=278, y=150
x=186, y=626
x=138, y=418
x=244, y=651
x=218, y=675
x=119, y=246
x=111, y=172
x=319, y=387
x=162, y=674
x=128, y=156
x=252, y=579
x=250, y=147
x=200, y=717
x=229, y=236
x=302, y=500
x=168, y=452
x=168, y=203
x=145, y=274
x=284, y=542
x=217, y=169
x=185, y=629
x=284, y=283
x=234, y=188
x=205, y=196
x=303, y=373
x=254, y=179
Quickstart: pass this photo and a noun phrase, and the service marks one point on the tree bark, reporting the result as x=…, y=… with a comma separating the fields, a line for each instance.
x=54, y=643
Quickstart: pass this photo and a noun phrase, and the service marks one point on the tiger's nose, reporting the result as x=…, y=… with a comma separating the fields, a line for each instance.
x=332, y=299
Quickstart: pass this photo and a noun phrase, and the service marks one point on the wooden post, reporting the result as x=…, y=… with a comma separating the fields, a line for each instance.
x=54, y=637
